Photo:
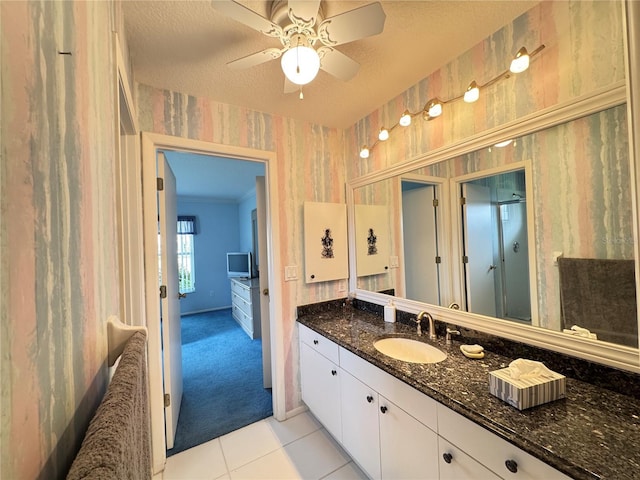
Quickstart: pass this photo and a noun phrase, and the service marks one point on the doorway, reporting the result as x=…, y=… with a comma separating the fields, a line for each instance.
x=151, y=144
x=495, y=245
x=222, y=361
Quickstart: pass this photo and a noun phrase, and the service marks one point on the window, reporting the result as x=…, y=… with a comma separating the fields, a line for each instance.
x=186, y=263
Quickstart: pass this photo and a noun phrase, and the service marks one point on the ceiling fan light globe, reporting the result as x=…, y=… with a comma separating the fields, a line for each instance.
x=300, y=64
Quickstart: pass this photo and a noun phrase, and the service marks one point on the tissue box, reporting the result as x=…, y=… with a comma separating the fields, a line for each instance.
x=526, y=393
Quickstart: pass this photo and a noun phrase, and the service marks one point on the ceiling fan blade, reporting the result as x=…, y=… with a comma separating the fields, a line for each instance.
x=245, y=15
x=337, y=63
x=255, y=58
x=353, y=25
x=303, y=12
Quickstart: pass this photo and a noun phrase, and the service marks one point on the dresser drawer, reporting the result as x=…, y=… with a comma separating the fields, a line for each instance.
x=241, y=290
x=490, y=450
x=241, y=303
x=318, y=343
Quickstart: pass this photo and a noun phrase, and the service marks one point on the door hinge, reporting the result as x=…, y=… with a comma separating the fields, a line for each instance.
x=167, y=399
x=438, y=259
x=465, y=259
x=163, y=291
x=463, y=201
x=160, y=184
x=435, y=202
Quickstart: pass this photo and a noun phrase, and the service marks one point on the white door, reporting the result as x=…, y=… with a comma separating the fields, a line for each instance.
x=261, y=197
x=478, y=247
x=170, y=307
x=420, y=246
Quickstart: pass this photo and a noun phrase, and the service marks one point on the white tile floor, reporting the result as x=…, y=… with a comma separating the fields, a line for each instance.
x=298, y=448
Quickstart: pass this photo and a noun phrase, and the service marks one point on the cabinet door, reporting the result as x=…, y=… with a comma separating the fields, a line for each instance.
x=360, y=435
x=457, y=465
x=498, y=455
x=320, y=383
x=408, y=449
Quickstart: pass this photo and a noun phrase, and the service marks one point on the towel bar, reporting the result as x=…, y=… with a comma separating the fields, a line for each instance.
x=118, y=334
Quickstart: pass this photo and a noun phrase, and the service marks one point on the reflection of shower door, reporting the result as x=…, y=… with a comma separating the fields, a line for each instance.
x=420, y=247
x=515, y=260
x=478, y=248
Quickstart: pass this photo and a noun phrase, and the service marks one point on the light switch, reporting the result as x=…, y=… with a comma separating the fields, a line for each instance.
x=290, y=273
x=393, y=261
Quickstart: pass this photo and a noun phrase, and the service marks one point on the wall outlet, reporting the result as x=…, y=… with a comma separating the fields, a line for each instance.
x=342, y=285
x=393, y=261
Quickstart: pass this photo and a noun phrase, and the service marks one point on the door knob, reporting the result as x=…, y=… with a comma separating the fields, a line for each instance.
x=265, y=292
x=492, y=267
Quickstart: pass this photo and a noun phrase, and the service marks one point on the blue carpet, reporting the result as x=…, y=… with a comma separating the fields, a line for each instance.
x=222, y=375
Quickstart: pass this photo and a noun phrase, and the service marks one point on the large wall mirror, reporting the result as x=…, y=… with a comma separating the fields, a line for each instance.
x=530, y=232
x=527, y=230
x=499, y=230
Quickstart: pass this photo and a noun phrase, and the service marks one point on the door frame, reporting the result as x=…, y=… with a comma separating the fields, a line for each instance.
x=151, y=143
x=456, y=231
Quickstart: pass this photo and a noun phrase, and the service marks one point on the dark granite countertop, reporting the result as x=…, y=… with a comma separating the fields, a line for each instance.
x=592, y=433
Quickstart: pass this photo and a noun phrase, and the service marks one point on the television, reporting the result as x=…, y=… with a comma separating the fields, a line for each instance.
x=239, y=264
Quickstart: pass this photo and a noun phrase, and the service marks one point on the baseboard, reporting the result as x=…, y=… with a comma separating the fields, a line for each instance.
x=206, y=310
x=295, y=411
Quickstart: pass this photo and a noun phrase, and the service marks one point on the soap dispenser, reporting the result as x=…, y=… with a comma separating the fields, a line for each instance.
x=390, y=312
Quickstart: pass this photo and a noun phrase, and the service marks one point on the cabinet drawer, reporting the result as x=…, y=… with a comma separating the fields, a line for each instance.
x=490, y=450
x=454, y=464
x=318, y=343
x=243, y=319
x=415, y=403
x=241, y=290
x=241, y=303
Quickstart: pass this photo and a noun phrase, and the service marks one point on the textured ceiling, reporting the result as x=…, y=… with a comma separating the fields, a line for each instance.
x=184, y=46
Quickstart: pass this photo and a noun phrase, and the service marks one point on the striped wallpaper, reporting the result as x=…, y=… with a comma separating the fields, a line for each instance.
x=60, y=277
x=58, y=227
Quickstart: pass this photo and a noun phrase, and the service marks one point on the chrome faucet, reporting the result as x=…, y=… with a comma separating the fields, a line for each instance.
x=432, y=331
x=451, y=331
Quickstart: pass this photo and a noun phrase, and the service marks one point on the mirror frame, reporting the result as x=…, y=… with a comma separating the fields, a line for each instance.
x=613, y=355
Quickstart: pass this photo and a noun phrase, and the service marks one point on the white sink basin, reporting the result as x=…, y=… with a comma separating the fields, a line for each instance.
x=409, y=350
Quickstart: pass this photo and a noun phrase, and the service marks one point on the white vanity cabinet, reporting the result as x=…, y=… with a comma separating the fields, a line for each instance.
x=498, y=455
x=385, y=440
x=393, y=431
x=320, y=379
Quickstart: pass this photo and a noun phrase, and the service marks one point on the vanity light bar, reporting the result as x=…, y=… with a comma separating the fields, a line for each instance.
x=434, y=107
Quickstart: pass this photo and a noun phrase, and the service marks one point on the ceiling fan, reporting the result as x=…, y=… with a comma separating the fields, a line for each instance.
x=307, y=39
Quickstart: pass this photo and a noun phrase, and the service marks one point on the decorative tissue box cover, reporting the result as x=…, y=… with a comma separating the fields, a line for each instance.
x=528, y=392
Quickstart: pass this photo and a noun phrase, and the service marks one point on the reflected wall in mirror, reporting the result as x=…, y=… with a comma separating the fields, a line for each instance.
x=579, y=203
